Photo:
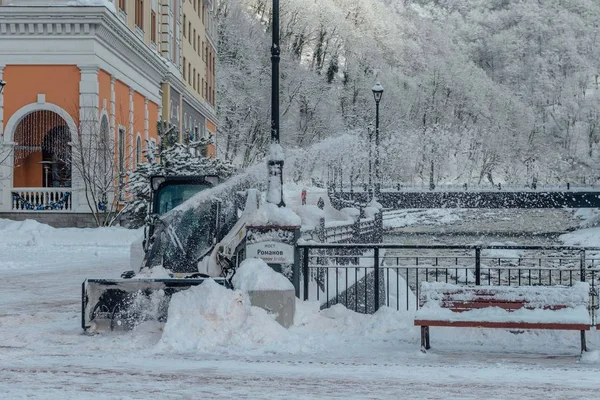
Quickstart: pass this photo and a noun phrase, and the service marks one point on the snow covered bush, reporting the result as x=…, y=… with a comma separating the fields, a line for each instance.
x=169, y=159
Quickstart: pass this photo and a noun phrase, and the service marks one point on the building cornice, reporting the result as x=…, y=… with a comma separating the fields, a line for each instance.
x=97, y=25
x=80, y=23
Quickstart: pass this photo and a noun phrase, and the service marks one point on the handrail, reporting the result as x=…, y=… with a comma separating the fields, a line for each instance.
x=439, y=246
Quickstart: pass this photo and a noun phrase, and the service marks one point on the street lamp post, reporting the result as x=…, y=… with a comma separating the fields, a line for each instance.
x=370, y=134
x=275, y=163
x=377, y=94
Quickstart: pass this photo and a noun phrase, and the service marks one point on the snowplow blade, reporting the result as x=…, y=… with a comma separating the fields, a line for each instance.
x=121, y=304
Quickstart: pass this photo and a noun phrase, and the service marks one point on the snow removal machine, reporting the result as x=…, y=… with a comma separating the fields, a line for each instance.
x=196, y=230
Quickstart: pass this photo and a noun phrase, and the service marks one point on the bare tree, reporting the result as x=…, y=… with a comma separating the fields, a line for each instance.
x=5, y=153
x=100, y=162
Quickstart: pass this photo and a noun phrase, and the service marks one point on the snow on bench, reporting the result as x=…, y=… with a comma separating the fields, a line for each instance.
x=508, y=307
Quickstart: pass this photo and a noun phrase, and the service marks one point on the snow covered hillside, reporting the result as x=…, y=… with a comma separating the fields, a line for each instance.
x=328, y=354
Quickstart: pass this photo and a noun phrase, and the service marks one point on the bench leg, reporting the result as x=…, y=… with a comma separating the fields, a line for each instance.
x=583, y=342
x=425, y=338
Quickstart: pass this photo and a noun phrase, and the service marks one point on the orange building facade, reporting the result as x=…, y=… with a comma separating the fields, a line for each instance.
x=81, y=81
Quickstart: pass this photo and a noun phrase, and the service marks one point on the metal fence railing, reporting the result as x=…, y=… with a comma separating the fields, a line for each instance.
x=364, y=277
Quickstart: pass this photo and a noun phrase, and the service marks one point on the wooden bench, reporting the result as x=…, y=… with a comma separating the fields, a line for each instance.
x=507, y=307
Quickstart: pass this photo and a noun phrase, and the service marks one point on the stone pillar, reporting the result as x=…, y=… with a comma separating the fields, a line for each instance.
x=146, y=119
x=131, y=129
x=113, y=126
x=88, y=126
x=6, y=160
x=1, y=107
x=113, y=107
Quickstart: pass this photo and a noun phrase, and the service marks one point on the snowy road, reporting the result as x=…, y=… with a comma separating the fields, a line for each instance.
x=44, y=355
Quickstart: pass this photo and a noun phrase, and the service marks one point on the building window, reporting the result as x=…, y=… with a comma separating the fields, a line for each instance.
x=194, y=39
x=195, y=5
x=153, y=28
x=122, y=5
x=138, y=151
x=190, y=73
x=139, y=13
x=203, y=14
x=190, y=32
x=184, y=25
x=194, y=85
x=184, y=68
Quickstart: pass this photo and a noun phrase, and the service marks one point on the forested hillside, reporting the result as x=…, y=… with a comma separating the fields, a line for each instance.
x=502, y=90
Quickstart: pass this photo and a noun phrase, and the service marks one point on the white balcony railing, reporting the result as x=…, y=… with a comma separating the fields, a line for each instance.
x=42, y=199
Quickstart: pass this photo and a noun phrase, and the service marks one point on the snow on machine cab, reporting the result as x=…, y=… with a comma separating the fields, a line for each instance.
x=196, y=232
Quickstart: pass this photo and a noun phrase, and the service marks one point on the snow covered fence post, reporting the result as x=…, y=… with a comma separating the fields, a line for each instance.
x=356, y=230
x=379, y=226
x=321, y=233
x=376, y=277
x=296, y=269
x=478, y=265
x=582, y=277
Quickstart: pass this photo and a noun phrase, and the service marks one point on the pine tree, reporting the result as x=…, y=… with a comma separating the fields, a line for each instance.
x=169, y=159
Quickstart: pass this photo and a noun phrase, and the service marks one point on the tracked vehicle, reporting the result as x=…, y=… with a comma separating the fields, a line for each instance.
x=195, y=231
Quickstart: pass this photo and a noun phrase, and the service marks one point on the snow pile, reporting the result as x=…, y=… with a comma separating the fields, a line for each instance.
x=590, y=217
x=255, y=274
x=339, y=321
x=404, y=218
x=354, y=213
x=502, y=253
x=210, y=317
x=591, y=357
x=371, y=212
x=589, y=237
x=375, y=204
x=270, y=214
x=276, y=152
x=33, y=233
x=310, y=216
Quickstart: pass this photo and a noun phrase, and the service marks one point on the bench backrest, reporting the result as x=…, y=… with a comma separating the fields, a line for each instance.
x=463, y=298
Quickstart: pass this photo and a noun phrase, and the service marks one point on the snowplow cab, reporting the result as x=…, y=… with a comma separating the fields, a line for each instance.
x=185, y=235
x=169, y=192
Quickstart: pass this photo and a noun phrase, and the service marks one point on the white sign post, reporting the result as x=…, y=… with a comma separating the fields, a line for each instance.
x=271, y=252
x=275, y=245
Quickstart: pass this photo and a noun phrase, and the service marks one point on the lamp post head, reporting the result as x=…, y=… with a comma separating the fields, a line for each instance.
x=2, y=84
x=377, y=92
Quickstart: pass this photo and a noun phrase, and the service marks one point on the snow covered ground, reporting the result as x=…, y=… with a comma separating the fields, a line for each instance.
x=329, y=354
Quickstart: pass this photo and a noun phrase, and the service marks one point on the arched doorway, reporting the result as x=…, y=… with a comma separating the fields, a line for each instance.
x=42, y=155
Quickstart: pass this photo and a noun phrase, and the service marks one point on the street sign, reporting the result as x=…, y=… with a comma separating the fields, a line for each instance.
x=271, y=252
